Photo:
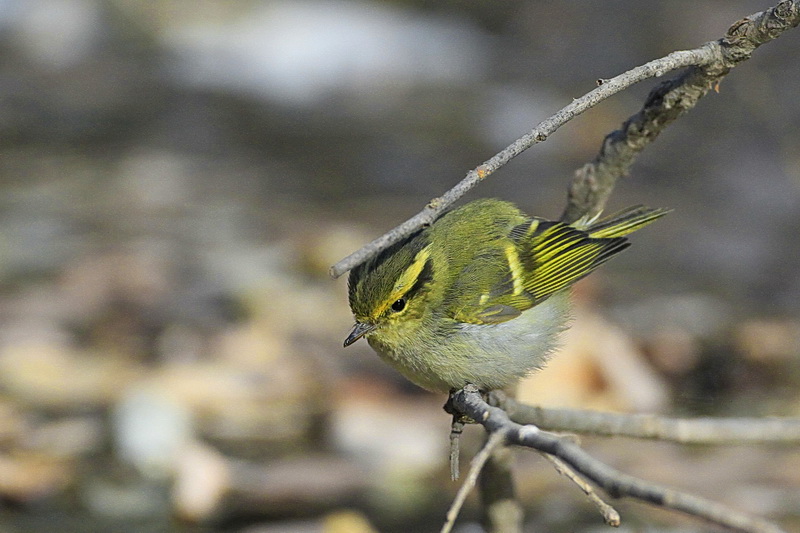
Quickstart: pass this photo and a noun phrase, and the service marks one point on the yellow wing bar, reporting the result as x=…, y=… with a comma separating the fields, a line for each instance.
x=563, y=254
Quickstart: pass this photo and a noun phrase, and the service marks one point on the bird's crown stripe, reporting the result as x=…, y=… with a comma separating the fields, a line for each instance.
x=407, y=279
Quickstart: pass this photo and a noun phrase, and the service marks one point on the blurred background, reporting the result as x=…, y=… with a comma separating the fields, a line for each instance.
x=176, y=178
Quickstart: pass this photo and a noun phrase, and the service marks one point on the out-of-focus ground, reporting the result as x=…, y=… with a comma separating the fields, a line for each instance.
x=176, y=177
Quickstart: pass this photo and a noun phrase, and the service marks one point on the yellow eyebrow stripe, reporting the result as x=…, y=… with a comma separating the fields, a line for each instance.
x=406, y=279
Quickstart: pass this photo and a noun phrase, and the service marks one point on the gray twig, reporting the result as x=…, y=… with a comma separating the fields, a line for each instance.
x=618, y=485
x=649, y=426
x=609, y=514
x=455, y=436
x=492, y=443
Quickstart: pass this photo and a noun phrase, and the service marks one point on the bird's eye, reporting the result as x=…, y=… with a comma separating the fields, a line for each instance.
x=399, y=305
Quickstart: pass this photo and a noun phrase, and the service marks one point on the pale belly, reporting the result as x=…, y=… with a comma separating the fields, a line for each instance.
x=490, y=356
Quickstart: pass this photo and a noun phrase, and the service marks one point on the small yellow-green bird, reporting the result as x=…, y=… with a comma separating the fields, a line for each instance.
x=481, y=295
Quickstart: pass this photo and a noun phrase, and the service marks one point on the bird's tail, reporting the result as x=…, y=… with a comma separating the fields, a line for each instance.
x=622, y=223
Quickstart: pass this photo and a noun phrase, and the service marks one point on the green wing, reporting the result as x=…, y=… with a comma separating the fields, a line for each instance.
x=561, y=255
x=536, y=259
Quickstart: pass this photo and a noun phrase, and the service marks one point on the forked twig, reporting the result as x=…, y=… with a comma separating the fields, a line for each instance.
x=494, y=441
x=610, y=515
x=618, y=485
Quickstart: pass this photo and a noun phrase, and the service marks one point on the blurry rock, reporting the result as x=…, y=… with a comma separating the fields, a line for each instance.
x=766, y=499
x=128, y=498
x=53, y=376
x=56, y=34
x=285, y=526
x=673, y=350
x=336, y=522
x=151, y=430
x=243, y=405
x=254, y=343
x=701, y=315
x=292, y=307
x=66, y=437
x=13, y=425
x=598, y=367
x=293, y=53
x=181, y=344
x=769, y=340
x=150, y=180
x=202, y=477
x=347, y=522
x=304, y=483
x=391, y=431
x=401, y=440
x=25, y=477
x=261, y=380
x=139, y=273
x=317, y=251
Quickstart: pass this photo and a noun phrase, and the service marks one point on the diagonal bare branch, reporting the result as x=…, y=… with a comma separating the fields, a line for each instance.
x=703, y=56
x=593, y=183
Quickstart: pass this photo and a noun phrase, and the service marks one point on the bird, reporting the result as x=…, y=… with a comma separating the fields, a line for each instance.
x=482, y=294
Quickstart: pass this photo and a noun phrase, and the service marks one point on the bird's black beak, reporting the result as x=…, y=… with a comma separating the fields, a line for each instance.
x=359, y=330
